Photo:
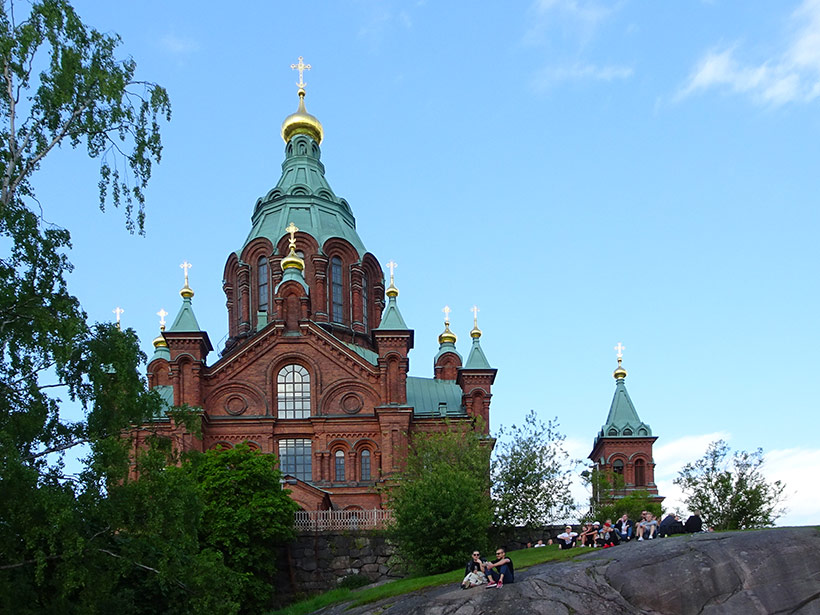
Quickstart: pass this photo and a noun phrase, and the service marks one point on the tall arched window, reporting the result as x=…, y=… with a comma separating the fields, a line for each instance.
x=293, y=392
x=364, y=301
x=336, y=297
x=340, y=466
x=618, y=467
x=640, y=473
x=262, y=278
x=365, y=464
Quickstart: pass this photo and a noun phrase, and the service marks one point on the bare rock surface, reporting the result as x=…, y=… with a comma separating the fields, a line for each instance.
x=772, y=572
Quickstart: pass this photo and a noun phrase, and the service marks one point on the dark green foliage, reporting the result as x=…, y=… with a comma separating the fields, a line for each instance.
x=441, y=500
x=731, y=492
x=354, y=581
x=532, y=474
x=610, y=500
x=246, y=516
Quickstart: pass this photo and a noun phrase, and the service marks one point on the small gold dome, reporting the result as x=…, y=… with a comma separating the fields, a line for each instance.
x=187, y=292
x=292, y=261
x=447, y=336
x=619, y=372
x=392, y=291
x=302, y=123
x=159, y=341
x=475, y=333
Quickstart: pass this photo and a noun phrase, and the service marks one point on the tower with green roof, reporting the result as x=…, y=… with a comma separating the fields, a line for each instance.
x=623, y=447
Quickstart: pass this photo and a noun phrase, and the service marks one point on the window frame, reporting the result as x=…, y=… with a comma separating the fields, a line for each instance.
x=293, y=398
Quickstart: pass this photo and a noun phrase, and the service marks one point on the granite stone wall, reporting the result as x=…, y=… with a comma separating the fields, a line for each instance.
x=319, y=561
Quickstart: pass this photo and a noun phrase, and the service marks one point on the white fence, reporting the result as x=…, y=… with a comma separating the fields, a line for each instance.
x=319, y=520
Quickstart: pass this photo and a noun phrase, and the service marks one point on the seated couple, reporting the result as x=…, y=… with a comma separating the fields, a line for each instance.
x=479, y=571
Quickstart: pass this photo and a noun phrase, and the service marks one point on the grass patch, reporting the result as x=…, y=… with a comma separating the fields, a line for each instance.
x=522, y=559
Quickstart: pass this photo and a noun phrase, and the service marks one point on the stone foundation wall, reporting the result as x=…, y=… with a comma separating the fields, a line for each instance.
x=319, y=561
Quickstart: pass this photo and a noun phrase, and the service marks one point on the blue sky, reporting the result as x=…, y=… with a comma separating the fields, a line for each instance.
x=587, y=173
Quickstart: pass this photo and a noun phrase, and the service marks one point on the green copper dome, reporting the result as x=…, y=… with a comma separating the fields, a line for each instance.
x=304, y=197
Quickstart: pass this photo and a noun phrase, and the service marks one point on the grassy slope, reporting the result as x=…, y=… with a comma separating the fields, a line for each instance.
x=522, y=559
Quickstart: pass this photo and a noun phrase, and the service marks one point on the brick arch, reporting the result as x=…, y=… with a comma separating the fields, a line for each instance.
x=338, y=391
x=220, y=446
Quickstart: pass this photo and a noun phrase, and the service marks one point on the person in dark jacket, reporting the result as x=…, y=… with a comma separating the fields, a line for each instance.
x=625, y=527
x=671, y=524
x=500, y=571
x=694, y=523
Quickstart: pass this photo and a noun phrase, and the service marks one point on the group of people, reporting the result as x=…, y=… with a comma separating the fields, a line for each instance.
x=625, y=529
x=491, y=575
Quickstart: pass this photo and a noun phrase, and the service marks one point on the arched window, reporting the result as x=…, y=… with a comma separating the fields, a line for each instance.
x=364, y=301
x=618, y=467
x=336, y=297
x=640, y=473
x=340, y=466
x=365, y=464
x=262, y=278
x=293, y=392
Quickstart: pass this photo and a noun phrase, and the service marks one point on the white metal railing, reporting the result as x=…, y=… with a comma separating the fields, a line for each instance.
x=319, y=520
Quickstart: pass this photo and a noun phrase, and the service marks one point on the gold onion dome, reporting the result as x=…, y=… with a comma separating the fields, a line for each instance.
x=619, y=372
x=159, y=341
x=302, y=123
x=292, y=261
x=447, y=336
x=186, y=292
x=475, y=333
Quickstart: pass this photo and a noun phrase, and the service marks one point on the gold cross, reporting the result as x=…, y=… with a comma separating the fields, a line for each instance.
x=186, y=266
x=475, y=311
x=291, y=229
x=391, y=266
x=620, y=350
x=446, y=311
x=162, y=314
x=119, y=312
x=301, y=67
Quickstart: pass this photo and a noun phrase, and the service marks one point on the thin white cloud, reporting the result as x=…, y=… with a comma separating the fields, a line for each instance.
x=793, y=75
x=178, y=45
x=575, y=23
x=553, y=75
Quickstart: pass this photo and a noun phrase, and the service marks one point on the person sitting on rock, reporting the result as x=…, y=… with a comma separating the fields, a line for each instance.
x=500, y=570
x=694, y=523
x=625, y=526
x=607, y=536
x=567, y=539
x=588, y=535
x=474, y=572
x=670, y=525
x=648, y=528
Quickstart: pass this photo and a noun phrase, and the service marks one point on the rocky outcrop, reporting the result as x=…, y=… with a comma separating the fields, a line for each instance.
x=770, y=572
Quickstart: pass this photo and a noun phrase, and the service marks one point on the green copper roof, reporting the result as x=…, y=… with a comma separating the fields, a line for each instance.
x=623, y=420
x=161, y=352
x=304, y=197
x=447, y=347
x=185, y=320
x=477, y=358
x=365, y=353
x=166, y=394
x=292, y=273
x=392, y=319
x=433, y=398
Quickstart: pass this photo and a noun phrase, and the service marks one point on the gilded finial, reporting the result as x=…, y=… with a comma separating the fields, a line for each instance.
x=619, y=372
x=186, y=291
x=301, y=122
x=162, y=314
x=159, y=341
x=119, y=312
x=292, y=260
x=301, y=67
x=476, y=332
x=392, y=291
x=447, y=336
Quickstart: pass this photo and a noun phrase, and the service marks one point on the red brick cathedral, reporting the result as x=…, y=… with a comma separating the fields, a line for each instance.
x=315, y=368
